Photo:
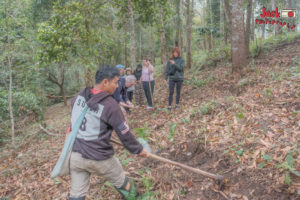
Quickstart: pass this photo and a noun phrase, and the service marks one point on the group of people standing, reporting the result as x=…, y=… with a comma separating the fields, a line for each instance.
x=107, y=101
x=140, y=83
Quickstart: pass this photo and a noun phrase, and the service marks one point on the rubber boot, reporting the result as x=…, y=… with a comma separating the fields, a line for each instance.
x=128, y=190
x=77, y=198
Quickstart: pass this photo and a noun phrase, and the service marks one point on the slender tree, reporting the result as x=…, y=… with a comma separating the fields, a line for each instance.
x=125, y=43
x=289, y=6
x=152, y=45
x=140, y=44
x=222, y=19
x=132, y=35
x=12, y=120
x=248, y=27
x=252, y=21
x=164, y=57
x=211, y=38
x=276, y=26
x=188, y=34
x=180, y=25
x=227, y=11
x=263, y=27
x=238, y=47
x=227, y=19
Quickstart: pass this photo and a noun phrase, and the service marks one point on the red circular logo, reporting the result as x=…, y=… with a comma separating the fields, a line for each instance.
x=291, y=14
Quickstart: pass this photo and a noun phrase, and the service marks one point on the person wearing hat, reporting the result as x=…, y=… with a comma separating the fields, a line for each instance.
x=130, y=90
x=120, y=94
x=139, y=93
x=121, y=68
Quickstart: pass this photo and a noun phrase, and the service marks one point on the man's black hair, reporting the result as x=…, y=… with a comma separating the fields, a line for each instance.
x=106, y=72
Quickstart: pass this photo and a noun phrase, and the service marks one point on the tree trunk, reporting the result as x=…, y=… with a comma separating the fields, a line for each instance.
x=209, y=41
x=211, y=25
x=140, y=45
x=289, y=6
x=180, y=27
x=11, y=113
x=252, y=21
x=175, y=42
x=125, y=44
x=248, y=20
x=62, y=74
x=188, y=34
x=52, y=78
x=276, y=26
x=132, y=38
x=263, y=31
x=227, y=11
x=152, y=45
x=238, y=47
x=164, y=57
x=62, y=93
x=222, y=20
x=204, y=42
x=227, y=20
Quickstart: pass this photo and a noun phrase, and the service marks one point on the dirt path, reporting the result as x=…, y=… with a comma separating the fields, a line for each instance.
x=248, y=130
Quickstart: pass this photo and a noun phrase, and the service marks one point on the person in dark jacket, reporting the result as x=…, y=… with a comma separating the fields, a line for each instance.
x=139, y=93
x=138, y=72
x=92, y=151
x=120, y=94
x=175, y=73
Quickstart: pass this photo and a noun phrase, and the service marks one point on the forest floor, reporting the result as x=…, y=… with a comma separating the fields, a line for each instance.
x=246, y=129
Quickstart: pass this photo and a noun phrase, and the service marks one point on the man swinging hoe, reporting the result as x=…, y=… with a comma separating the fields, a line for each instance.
x=92, y=151
x=87, y=150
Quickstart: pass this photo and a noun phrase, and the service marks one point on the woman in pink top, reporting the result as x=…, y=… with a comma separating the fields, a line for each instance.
x=148, y=81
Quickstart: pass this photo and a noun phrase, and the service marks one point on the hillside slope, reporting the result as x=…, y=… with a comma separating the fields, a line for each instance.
x=246, y=129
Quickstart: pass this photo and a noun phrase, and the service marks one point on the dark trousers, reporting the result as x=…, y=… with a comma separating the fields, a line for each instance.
x=130, y=95
x=147, y=91
x=171, y=91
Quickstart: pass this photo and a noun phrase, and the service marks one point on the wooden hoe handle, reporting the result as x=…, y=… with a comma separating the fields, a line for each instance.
x=183, y=166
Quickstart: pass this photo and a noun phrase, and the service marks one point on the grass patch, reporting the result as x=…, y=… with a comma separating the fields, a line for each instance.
x=259, y=46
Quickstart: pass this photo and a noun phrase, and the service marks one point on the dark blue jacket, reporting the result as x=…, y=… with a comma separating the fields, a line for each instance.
x=120, y=95
x=175, y=71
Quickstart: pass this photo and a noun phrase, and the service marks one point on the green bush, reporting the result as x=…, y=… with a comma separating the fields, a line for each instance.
x=206, y=108
x=196, y=82
x=210, y=58
x=199, y=59
x=24, y=102
x=258, y=46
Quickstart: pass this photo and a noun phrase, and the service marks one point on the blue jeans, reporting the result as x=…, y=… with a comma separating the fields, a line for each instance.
x=148, y=94
x=171, y=91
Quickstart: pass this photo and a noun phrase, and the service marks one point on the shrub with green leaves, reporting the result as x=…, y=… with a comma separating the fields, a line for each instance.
x=206, y=108
x=24, y=102
x=143, y=133
x=196, y=82
x=172, y=132
x=288, y=165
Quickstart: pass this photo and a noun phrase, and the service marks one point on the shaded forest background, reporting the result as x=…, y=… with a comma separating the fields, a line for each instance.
x=50, y=49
